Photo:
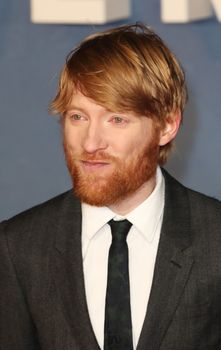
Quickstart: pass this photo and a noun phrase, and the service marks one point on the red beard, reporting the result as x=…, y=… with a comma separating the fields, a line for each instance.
x=125, y=179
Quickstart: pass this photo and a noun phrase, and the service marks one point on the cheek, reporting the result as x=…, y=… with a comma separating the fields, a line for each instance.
x=70, y=137
x=139, y=143
x=129, y=151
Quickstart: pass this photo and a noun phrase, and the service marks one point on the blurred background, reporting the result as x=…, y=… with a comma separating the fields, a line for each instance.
x=32, y=166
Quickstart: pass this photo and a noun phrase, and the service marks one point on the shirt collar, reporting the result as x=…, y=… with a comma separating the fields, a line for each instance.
x=145, y=217
x=148, y=214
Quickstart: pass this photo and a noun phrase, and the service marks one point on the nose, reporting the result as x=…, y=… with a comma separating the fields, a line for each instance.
x=94, y=138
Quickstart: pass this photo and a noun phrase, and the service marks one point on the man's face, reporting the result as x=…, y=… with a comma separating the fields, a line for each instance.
x=109, y=155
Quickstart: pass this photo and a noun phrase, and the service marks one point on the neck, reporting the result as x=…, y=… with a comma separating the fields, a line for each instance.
x=132, y=201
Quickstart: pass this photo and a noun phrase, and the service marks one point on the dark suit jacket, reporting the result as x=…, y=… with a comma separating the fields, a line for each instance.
x=42, y=296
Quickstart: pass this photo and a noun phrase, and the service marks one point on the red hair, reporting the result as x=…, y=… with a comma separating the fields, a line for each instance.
x=128, y=68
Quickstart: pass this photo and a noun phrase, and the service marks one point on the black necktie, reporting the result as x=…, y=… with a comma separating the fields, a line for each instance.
x=118, y=327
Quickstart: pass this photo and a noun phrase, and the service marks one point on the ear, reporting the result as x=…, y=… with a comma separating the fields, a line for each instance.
x=170, y=129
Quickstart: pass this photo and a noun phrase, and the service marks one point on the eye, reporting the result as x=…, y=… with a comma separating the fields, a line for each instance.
x=76, y=116
x=118, y=120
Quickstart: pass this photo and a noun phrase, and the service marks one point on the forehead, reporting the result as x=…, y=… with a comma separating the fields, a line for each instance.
x=79, y=100
x=82, y=102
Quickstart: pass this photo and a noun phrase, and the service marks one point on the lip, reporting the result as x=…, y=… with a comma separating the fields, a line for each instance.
x=94, y=164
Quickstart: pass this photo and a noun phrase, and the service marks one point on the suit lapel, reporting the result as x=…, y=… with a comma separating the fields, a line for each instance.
x=173, y=265
x=68, y=274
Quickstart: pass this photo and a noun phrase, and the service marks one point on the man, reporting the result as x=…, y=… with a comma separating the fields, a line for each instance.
x=65, y=282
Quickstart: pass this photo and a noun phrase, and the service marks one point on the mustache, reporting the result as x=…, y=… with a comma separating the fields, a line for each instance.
x=98, y=156
x=85, y=156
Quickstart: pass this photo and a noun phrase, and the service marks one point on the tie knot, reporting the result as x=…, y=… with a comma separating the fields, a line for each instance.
x=119, y=229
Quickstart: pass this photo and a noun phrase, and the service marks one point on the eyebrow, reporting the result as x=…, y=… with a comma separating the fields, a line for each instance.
x=75, y=107
x=82, y=109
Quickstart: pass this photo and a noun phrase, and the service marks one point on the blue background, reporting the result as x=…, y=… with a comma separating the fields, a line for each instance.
x=31, y=56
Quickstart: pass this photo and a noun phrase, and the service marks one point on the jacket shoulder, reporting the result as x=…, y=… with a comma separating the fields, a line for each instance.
x=202, y=207
x=41, y=216
x=205, y=209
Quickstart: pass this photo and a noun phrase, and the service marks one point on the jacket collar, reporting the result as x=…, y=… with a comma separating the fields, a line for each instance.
x=68, y=274
x=173, y=264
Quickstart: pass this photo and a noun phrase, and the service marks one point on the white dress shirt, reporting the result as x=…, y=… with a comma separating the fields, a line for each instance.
x=142, y=241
